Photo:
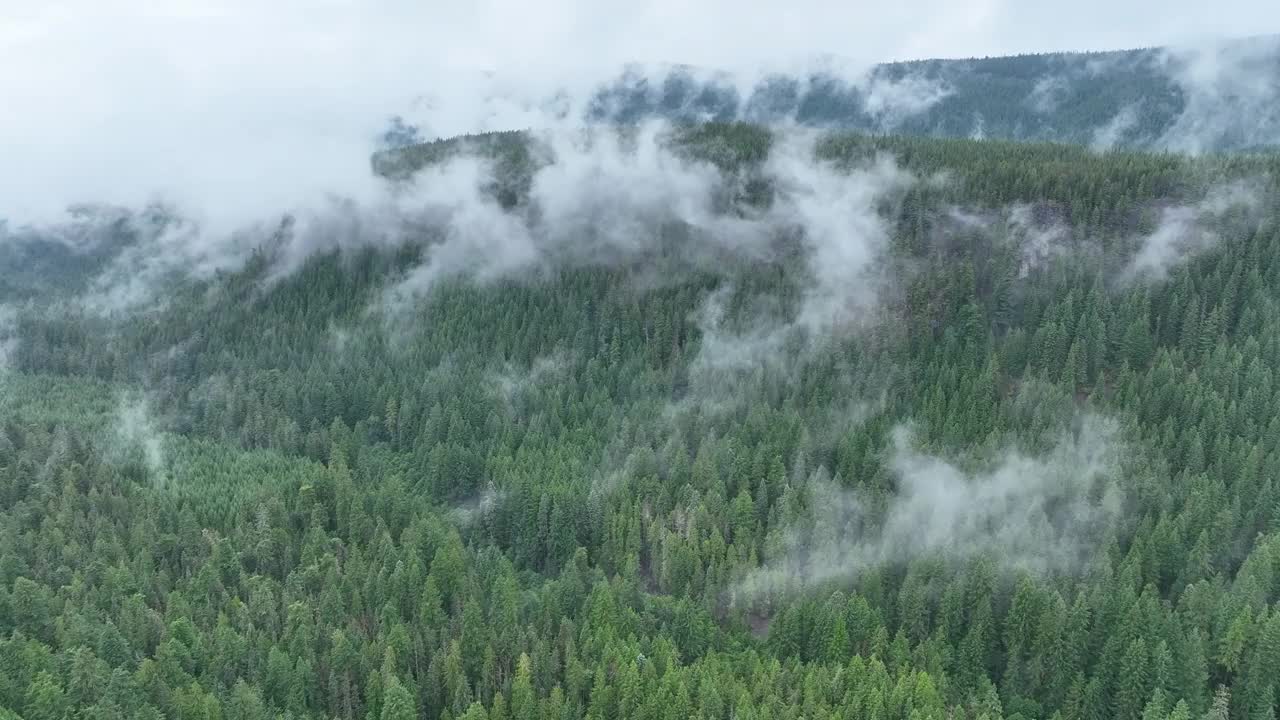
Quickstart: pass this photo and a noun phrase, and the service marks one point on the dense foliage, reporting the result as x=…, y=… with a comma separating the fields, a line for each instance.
x=530, y=501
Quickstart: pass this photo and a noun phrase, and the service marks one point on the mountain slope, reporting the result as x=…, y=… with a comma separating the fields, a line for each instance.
x=1003, y=464
x=1216, y=98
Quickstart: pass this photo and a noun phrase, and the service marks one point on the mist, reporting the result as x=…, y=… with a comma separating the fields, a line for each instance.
x=476, y=509
x=135, y=431
x=1041, y=240
x=1231, y=95
x=210, y=132
x=1111, y=134
x=1184, y=231
x=512, y=384
x=8, y=339
x=1043, y=514
x=237, y=112
x=609, y=198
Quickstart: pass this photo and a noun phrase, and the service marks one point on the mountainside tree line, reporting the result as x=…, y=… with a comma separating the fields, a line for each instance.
x=1140, y=98
x=528, y=500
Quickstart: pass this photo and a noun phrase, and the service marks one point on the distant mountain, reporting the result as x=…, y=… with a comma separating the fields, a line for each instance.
x=64, y=257
x=1224, y=97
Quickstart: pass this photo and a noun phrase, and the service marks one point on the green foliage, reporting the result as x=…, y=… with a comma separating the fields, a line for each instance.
x=519, y=506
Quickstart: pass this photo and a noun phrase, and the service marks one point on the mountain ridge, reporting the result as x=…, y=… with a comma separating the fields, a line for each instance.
x=1216, y=97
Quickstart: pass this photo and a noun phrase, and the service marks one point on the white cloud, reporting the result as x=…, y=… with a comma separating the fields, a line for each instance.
x=1043, y=514
x=136, y=431
x=1243, y=76
x=236, y=109
x=1182, y=231
x=1110, y=133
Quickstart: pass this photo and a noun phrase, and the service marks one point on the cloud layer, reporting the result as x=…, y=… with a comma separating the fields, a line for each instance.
x=236, y=110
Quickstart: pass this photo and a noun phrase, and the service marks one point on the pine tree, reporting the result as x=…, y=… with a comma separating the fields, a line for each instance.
x=397, y=702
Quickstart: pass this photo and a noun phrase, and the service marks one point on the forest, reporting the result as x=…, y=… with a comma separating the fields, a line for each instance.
x=1218, y=97
x=578, y=447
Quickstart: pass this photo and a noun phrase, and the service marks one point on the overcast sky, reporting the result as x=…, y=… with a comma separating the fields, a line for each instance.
x=254, y=104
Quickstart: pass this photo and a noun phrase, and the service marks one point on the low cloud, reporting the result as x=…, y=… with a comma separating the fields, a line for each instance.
x=892, y=100
x=1040, y=238
x=8, y=337
x=1113, y=133
x=135, y=431
x=1230, y=92
x=838, y=215
x=839, y=221
x=511, y=383
x=478, y=508
x=1184, y=231
x=1047, y=93
x=601, y=197
x=613, y=199
x=466, y=229
x=1045, y=514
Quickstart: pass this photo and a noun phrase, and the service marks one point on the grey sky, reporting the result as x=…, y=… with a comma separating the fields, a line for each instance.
x=244, y=106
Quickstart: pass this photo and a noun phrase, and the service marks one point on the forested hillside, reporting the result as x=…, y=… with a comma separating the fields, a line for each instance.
x=1220, y=97
x=888, y=427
